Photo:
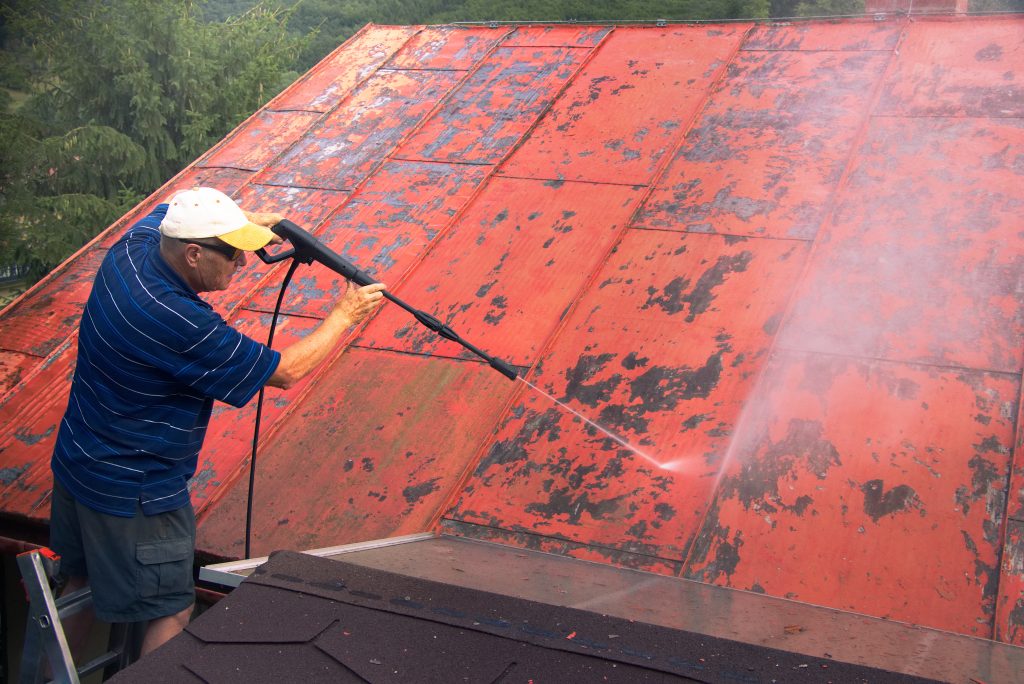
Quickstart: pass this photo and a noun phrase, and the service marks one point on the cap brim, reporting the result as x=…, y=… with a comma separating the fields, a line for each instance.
x=249, y=237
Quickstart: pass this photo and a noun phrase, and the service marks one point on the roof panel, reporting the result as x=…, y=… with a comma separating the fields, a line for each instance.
x=1010, y=604
x=505, y=272
x=29, y=416
x=491, y=111
x=812, y=36
x=948, y=68
x=307, y=207
x=915, y=266
x=259, y=139
x=555, y=36
x=661, y=353
x=350, y=141
x=895, y=462
x=381, y=439
x=628, y=106
x=447, y=47
x=770, y=147
x=384, y=230
x=40, y=323
x=330, y=81
x=14, y=367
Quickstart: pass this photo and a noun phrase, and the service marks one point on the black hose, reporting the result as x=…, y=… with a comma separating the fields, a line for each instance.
x=259, y=409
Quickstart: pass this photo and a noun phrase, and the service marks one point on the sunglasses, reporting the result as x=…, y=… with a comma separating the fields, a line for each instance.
x=229, y=252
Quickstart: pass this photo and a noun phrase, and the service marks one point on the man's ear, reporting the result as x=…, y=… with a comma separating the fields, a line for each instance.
x=192, y=254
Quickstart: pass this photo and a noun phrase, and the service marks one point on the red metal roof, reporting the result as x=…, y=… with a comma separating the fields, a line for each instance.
x=780, y=260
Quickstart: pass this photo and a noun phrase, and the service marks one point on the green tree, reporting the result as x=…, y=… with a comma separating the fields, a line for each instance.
x=123, y=94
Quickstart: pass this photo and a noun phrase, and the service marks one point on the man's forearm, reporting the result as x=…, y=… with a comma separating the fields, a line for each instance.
x=300, y=359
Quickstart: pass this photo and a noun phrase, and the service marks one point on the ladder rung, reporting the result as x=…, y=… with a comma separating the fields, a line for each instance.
x=98, y=662
x=74, y=603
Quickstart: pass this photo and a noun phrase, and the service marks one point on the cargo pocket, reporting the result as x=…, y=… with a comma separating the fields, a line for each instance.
x=165, y=566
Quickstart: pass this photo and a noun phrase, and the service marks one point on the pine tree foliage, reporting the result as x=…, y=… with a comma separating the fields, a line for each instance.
x=124, y=94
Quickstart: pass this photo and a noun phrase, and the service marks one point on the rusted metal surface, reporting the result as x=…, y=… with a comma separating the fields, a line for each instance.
x=257, y=141
x=846, y=36
x=661, y=352
x=649, y=83
x=795, y=284
x=918, y=270
x=384, y=230
x=953, y=68
x=29, y=416
x=373, y=452
x=859, y=465
x=768, y=151
x=356, y=136
x=14, y=366
x=1010, y=608
x=330, y=81
x=508, y=269
x=557, y=36
x=446, y=47
x=39, y=324
x=499, y=101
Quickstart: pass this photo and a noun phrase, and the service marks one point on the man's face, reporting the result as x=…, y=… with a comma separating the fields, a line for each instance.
x=217, y=264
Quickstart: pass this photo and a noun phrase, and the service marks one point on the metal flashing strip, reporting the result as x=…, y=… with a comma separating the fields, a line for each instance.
x=231, y=573
x=678, y=603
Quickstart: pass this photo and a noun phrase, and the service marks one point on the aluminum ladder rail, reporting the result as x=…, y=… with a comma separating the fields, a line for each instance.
x=45, y=641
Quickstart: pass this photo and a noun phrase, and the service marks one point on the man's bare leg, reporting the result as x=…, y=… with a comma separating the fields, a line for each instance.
x=163, y=629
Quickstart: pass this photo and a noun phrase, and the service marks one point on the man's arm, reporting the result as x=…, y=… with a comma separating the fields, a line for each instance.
x=299, y=359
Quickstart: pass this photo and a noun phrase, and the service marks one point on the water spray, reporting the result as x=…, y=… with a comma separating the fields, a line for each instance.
x=305, y=249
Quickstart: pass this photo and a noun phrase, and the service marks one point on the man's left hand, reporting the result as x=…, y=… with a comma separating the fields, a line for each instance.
x=265, y=220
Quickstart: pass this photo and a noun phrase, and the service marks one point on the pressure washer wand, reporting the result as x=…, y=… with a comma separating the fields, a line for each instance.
x=306, y=248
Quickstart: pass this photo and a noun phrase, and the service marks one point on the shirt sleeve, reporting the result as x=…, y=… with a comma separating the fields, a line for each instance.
x=220, y=362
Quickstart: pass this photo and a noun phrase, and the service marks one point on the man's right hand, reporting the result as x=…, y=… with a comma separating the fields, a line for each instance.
x=302, y=357
x=359, y=302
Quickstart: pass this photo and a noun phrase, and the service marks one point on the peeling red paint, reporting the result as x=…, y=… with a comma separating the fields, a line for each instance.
x=770, y=147
x=369, y=465
x=383, y=230
x=669, y=380
x=508, y=268
x=781, y=260
x=847, y=36
x=446, y=47
x=882, y=456
x=354, y=138
x=627, y=107
x=257, y=141
x=487, y=115
x=554, y=36
x=946, y=68
x=330, y=81
x=916, y=270
x=38, y=325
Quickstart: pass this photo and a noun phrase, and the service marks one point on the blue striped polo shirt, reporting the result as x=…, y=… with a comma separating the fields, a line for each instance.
x=152, y=357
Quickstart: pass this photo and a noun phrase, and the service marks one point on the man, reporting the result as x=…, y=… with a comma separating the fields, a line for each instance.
x=152, y=357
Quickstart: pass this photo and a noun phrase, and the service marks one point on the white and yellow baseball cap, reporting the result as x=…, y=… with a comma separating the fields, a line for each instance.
x=207, y=213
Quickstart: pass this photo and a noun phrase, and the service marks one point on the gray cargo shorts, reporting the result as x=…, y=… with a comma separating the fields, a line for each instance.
x=139, y=568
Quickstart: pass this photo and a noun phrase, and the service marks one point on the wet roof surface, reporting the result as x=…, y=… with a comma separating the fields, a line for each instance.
x=780, y=261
